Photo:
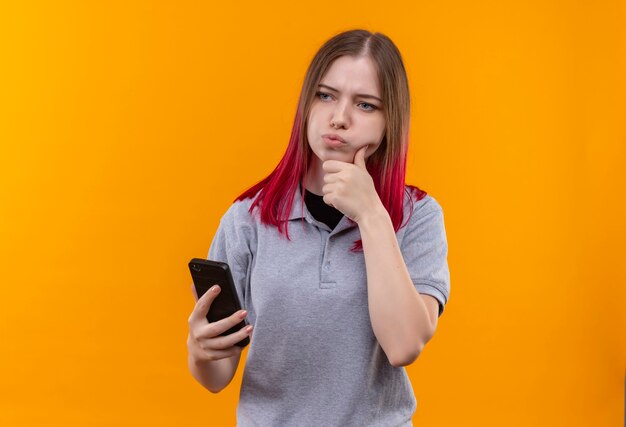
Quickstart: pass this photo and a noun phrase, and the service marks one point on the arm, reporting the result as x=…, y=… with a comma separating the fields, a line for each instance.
x=403, y=320
x=230, y=244
x=214, y=375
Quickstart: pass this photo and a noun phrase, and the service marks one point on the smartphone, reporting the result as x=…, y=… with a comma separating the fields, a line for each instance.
x=206, y=273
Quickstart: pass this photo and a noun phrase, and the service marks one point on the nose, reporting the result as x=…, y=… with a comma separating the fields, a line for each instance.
x=339, y=117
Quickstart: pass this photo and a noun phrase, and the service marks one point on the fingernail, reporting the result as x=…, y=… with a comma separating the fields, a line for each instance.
x=243, y=313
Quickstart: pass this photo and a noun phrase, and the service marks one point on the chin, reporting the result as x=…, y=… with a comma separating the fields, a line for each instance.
x=320, y=152
x=334, y=155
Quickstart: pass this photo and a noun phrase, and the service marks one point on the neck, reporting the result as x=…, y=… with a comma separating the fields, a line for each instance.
x=315, y=178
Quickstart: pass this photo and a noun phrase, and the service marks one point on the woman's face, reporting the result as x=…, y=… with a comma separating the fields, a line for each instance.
x=349, y=104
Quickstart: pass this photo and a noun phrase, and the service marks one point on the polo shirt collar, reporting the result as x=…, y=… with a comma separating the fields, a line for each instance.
x=297, y=212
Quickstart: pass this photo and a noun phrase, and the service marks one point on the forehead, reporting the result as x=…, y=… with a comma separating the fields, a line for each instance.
x=356, y=75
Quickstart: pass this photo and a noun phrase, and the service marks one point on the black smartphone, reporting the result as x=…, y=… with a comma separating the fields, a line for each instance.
x=206, y=274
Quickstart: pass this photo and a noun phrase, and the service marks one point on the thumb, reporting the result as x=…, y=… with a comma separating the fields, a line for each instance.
x=359, y=157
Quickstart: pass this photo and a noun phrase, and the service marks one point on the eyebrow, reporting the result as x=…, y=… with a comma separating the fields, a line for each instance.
x=362, y=95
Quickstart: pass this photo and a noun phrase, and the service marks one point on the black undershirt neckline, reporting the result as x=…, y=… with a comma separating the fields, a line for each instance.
x=321, y=211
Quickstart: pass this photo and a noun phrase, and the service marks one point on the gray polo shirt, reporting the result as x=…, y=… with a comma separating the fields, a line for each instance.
x=313, y=358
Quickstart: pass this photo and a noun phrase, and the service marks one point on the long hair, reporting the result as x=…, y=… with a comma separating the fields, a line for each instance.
x=387, y=165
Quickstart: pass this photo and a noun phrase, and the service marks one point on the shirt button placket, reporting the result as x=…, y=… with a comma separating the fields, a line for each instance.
x=327, y=281
x=326, y=265
x=326, y=268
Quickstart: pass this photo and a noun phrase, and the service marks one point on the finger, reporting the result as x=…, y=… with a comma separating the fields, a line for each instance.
x=326, y=200
x=332, y=166
x=359, y=157
x=203, y=304
x=329, y=178
x=227, y=341
x=326, y=189
x=216, y=328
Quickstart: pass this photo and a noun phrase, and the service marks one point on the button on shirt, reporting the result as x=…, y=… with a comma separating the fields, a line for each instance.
x=313, y=358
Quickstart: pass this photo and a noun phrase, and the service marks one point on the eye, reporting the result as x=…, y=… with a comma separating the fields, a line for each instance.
x=321, y=95
x=372, y=107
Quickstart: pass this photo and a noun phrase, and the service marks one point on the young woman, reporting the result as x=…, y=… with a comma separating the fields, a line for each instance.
x=340, y=266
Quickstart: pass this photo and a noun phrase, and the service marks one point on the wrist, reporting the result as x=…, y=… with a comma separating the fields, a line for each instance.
x=374, y=217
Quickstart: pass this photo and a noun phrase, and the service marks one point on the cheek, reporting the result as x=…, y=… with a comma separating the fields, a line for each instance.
x=376, y=131
x=380, y=132
x=312, y=121
x=376, y=125
x=381, y=128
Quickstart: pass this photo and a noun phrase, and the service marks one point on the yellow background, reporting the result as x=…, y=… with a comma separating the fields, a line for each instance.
x=127, y=130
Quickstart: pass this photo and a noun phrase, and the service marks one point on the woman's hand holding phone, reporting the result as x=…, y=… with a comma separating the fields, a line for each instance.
x=203, y=341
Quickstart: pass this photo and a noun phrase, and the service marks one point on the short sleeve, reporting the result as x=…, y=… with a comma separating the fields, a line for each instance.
x=231, y=244
x=425, y=251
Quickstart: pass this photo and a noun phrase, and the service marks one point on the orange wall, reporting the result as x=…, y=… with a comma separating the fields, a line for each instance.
x=127, y=130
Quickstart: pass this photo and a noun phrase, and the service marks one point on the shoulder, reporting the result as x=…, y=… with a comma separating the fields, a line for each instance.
x=238, y=225
x=238, y=212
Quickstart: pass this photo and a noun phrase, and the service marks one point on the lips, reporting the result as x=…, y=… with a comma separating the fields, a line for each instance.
x=333, y=140
x=333, y=136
